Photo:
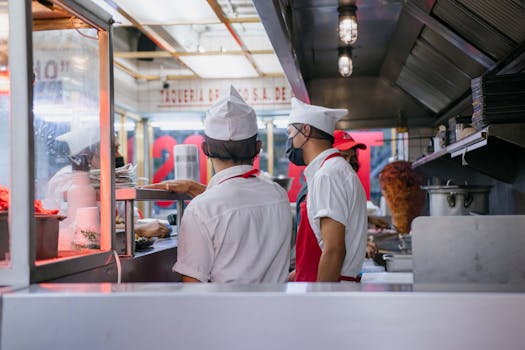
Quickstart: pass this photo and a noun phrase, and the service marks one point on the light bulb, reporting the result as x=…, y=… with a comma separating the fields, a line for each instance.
x=348, y=29
x=345, y=65
x=347, y=24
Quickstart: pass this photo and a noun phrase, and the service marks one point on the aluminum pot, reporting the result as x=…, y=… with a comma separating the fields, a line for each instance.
x=458, y=199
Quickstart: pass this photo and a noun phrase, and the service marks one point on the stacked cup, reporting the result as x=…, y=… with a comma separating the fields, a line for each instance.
x=186, y=158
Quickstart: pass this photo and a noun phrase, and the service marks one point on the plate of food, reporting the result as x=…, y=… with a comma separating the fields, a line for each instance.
x=143, y=243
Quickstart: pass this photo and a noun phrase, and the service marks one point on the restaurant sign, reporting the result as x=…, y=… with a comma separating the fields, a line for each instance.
x=262, y=93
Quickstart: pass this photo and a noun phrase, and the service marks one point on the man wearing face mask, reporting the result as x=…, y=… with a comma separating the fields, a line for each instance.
x=119, y=159
x=238, y=228
x=331, y=237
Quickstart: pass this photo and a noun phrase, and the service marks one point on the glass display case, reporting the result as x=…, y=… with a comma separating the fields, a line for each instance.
x=57, y=114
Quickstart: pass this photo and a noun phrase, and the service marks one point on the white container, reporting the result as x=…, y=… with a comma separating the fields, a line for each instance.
x=81, y=194
x=186, y=162
x=87, y=228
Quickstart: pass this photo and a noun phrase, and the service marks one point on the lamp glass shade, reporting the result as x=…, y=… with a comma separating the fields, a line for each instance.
x=348, y=29
x=345, y=65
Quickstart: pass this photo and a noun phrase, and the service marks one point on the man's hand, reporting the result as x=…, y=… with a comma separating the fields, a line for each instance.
x=151, y=229
x=189, y=187
x=371, y=249
x=377, y=222
x=291, y=276
x=188, y=279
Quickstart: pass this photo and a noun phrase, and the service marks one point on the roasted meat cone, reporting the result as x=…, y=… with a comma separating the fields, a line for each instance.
x=401, y=187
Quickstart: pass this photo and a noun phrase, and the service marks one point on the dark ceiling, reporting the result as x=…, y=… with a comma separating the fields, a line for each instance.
x=413, y=61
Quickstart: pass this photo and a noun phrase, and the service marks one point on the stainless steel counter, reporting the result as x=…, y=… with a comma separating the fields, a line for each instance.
x=287, y=316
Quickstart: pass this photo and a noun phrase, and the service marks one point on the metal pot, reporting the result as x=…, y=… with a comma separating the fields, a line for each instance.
x=458, y=199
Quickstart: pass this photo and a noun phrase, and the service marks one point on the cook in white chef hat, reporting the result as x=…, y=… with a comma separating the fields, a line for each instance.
x=319, y=117
x=81, y=137
x=230, y=129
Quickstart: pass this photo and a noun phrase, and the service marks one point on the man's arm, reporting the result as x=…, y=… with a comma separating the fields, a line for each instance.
x=334, y=250
x=188, y=279
x=189, y=187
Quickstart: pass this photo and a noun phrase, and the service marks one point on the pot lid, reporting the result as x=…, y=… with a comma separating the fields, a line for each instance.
x=448, y=188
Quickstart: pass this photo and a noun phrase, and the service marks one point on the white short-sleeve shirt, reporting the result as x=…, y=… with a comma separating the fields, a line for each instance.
x=334, y=191
x=238, y=230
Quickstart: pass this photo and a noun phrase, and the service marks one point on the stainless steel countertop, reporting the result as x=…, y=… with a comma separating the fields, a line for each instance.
x=285, y=316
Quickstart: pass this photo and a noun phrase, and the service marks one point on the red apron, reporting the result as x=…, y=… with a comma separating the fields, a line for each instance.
x=307, y=250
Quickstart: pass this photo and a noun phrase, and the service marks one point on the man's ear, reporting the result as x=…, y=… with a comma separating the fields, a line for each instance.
x=258, y=147
x=307, y=129
x=204, y=148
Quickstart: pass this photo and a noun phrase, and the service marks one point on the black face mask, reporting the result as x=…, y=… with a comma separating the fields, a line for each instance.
x=119, y=162
x=295, y=155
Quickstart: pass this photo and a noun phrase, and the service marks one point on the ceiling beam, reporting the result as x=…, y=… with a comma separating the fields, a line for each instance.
x=150, y=33
x=272, y=20
x=464, y=46
x=203, y=22
x=245, y=20
x=142, y=54
x=165, y=54
x=150, y=77
x=218, y=12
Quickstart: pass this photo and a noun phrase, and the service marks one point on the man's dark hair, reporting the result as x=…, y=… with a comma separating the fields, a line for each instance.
x=316, y=133
x=236, y=151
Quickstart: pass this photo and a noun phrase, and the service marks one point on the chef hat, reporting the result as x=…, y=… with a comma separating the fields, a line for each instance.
x=319, y=117
x=230, y=118
x=81, y=137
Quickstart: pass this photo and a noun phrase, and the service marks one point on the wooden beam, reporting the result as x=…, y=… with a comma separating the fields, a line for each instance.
x=150, y=77
x=126, y=69
x=245, y=20
x=59, y=24
x=164, y=54
x=222, y=53
x=142, y=54
x=150, y=33
x=179, y=23
x=218, y=12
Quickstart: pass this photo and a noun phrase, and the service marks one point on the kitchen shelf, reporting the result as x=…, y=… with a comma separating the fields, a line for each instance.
x=495, y=151
x=131, y=194
x=147, y=194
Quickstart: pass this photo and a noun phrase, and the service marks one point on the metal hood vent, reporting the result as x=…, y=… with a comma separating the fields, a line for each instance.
x=477, y=31
x=425, y=52
x=458, y=41
x=433, y=71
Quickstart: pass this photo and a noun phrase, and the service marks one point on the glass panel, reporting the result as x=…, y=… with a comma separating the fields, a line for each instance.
x=253, y=36
x=67, y=134
x=231, y=66
x=203, y=37
x=238, y=9
x=161, y=11
x=268, y=63
x=4, y=132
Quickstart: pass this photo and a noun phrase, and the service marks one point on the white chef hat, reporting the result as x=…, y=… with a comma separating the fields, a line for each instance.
x=319, y=117
x=230, y=118
x=80, y=137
